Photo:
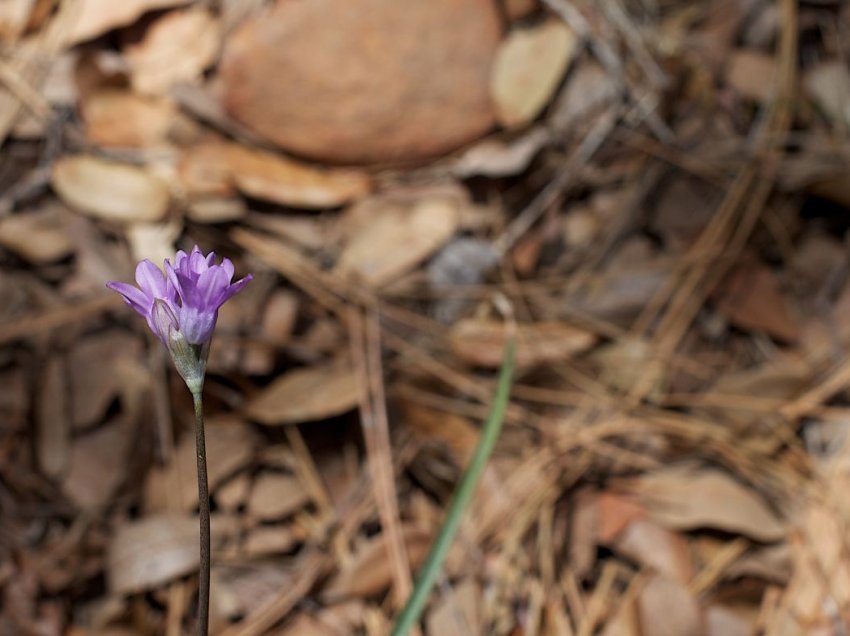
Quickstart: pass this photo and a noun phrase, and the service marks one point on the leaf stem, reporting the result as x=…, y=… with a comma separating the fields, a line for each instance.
x=204, y=509
x=493, y=426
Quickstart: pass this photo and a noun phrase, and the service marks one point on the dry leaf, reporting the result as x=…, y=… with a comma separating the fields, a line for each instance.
x=752, y=75
x=751, y=297
x=687, y=497
x=667, y=608
x=98, y=464
x=828, y=84
x=390, y=235
x=39, y=236
x=274, y=496
x=231, y=443
x=154, y=241
x=370, y=571
x=615, y=513
x=589, y=91
x=348, y=85
x=108, y=190
x=304, y=395
x=528, y=68
x=266, y=540
x=54, y=425
x=90, y=18
x=457, y=610
x=219, y=168
x=657, y=548
x=176, y=47
x=144, y=554
x=481, y=342
x=115, y=117
x=499, y=158
x=14, y=15
x=216, y=209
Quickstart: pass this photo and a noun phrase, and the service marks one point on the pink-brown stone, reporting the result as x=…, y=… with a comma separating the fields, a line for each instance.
x=366, y=81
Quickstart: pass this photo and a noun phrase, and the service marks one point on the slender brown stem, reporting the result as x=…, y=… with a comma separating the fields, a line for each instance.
x=204, y=506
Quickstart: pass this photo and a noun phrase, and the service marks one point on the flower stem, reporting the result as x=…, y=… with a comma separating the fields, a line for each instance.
x=204, y=507
x=492, y=427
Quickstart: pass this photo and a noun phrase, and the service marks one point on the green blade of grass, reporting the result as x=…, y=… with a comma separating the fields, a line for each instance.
x=430, y=570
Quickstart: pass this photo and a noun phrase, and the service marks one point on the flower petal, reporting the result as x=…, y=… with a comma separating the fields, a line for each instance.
x=133, y=296
x=151, y=280
x=227, y=266
x=211, y=284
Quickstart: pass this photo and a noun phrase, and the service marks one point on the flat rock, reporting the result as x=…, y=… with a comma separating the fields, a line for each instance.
x=371, y=81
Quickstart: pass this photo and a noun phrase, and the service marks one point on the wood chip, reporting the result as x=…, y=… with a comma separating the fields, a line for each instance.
x=481, y=342
x=108, y=190
x=528, y=68
x=307, y=394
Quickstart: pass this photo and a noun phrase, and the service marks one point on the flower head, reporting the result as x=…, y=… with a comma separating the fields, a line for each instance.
x=181, y=305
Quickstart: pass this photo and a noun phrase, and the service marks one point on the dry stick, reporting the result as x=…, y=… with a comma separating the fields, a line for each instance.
x=365, y=354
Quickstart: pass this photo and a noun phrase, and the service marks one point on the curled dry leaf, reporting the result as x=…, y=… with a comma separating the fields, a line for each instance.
x=528, y=67
x=109, y=190
x=91, y=18
x=40, y=236
x=688, y=497
x=217, y=168
x=481, y=342
x=176, y=47
x=389, y=235
x=370, y=571
x=308, y=394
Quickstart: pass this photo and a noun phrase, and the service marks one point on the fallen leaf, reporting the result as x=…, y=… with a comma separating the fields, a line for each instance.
x=144, y=554
x=231, y=443
x=274, y=496
x=176, y=47
x=457, y=610
x=108, y=190
x=688, y=497
x=828, y=84
x=390, y=235
x=347, y=85
x=667, y=608
x=219, y=168
x=216, y=209
x=98, y=464
x=499, y=158
x=39, y=236
x=121, y=118
x=369, y=571
x=656, y=548
x=54, y=424
x=528, y=68
x=589, y=90
x=91, y=18
x=481, y=342
x=751, y=297
x=752, y=74
x=154, y=241
x=307, y=394
x=266, y=540
x=14, y=15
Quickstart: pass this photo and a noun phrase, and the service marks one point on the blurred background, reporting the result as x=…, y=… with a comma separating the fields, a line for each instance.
x=656, y=190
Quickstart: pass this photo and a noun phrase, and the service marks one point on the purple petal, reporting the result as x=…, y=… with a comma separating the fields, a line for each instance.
x=211, y=284
x=163, y=320
x=132, y=296
x=173, y=281
x=197, y=262
x=210, y=258
x=197, y=325
x=227, y=266
x=235, y=288
x=150, y=280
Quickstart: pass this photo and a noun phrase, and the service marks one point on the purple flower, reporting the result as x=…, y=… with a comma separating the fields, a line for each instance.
x=183, y=302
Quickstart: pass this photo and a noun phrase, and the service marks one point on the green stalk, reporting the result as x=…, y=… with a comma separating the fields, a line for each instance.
x=428, y=576
x=204, y=510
